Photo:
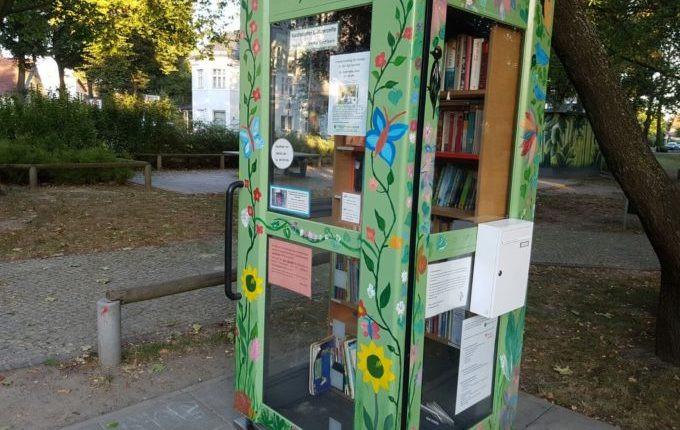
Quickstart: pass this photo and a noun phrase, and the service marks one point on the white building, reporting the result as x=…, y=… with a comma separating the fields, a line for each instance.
x=215, y=92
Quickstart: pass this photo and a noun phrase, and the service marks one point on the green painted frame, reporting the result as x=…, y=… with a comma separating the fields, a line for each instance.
x=391, y=209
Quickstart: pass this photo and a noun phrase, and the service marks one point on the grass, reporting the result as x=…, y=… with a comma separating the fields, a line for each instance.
x=670, y=162
x=68, y=220
x=599, y=324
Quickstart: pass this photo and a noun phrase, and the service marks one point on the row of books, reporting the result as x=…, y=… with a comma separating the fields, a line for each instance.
x=466, y=60
x=461, y=131
x=333, y=364
x=447, y=326
x=346, y=279
x=456, y=188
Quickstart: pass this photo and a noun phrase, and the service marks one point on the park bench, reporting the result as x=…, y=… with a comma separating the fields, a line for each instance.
x=159, y=157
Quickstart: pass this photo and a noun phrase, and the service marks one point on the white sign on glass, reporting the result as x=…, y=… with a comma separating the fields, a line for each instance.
x=282, y=154
x=348, y=94
x=448, y=285
x=351, y=208
x=314, y=38
x=475, y=369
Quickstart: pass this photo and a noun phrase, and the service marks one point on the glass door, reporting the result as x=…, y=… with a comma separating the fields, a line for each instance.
x=328, y=118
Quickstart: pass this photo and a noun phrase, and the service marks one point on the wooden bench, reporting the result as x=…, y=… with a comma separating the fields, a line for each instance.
x=33, y=169
x=159, y=158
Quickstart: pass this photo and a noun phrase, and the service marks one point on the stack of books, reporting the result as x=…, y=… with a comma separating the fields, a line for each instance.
x=346, y=279
x=447, y=326
x=456, y=188
x=332, y=365
x=461, y=130
x=466, y=60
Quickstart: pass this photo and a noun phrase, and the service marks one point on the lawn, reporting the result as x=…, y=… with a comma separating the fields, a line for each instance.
x=589, y=346
x=670, y=162
x=67, y=220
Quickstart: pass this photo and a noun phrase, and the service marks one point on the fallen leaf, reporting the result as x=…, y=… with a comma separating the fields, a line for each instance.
x=566, y=371
x=64, y=391
x=196, y=328
x=577, y=313
x=633, y=380
x=112, y=425
x=157, y=368
x=50, y=299
x=7, y=383
x=103, y=281
x=606, y=315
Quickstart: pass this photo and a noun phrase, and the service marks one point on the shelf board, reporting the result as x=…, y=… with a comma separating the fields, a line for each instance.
x=350, y=148
x=439, y=339
x=457, y=156
x=462, y=95
x=454, y=213
x=343, y=303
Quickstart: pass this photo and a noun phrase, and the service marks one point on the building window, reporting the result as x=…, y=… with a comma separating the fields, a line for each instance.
x=199, y=78
x=219, y=79
x=220, y=117
x=286, y=122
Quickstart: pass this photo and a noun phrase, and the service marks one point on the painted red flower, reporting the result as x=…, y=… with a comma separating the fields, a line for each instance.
x=530, y=135
x=246, y=183
x=253, y=26
x=257, y=95
x=259, y=229
x=408, y=33
x=380, y=60
x=361, y=309
x=241, y=35
x=255, y=3
x=242, y=403
x=257, y=195
x=370, y=234
x=256, y=46
x=414, y=125
x=251, y=211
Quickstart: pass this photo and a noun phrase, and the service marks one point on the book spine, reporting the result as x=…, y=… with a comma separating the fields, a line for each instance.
x=484, y=66
x=450, y=69
x=475, y=68
x=468, y=61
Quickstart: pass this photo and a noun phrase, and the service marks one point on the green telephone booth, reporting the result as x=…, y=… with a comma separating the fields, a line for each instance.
x=389, y=155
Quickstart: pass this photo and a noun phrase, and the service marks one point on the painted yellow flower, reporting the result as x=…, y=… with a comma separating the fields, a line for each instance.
x=396, y=242
x=251, y=285
x=377, y=368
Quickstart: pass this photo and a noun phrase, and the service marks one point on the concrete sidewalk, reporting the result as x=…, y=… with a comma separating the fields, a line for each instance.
x=208, y=406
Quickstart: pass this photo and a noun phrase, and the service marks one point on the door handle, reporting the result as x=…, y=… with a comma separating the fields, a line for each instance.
x=228, y=228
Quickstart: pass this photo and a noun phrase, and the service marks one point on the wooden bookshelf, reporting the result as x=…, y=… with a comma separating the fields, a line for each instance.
x=344, y=157
x=499, y=103
x=439, y=339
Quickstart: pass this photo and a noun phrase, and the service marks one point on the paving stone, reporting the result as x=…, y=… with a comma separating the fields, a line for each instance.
x=529, y=409
x=561, y=418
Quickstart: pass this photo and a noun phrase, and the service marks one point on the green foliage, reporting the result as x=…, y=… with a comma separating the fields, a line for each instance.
x=310, y=143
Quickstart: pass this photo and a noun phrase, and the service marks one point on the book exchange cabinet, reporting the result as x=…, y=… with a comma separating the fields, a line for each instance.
x=388, y=167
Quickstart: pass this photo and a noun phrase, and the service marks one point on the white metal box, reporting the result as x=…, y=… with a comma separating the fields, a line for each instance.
x=501, y=272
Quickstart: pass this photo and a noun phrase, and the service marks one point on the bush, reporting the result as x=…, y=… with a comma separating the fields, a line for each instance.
x=28, y=152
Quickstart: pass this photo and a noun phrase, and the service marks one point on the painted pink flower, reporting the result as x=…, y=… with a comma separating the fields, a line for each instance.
x=380, y=60
x=438, y=16
x=419, y=63
x=257, y=95
x=408, y=33
x=428, y=134
x=413, y=354
x=259, y=229
x=414, y=125
x=241, y=35
x=373, y=184
x=255, y=4
x=257, y=195
x=251, y=211
x=253, y=26
x=410, y=170
x=256, y=47
x=254, y=350
x=370, y=234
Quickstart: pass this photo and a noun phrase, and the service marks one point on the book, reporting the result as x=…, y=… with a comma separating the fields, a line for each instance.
x=465, y=63
x=450, y=64
x=320, y=365
x=475, y=68
x=484, y=66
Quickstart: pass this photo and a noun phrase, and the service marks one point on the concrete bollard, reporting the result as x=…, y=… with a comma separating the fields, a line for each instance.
x=33, y=177
x=108, y=333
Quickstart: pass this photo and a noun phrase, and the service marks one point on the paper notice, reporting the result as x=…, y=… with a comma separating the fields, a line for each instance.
x=348, y=95
x=351, y=208
x=475, y=370
x=448, y=285
x=290, y=266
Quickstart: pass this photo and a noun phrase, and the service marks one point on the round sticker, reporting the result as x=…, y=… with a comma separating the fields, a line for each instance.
x=282, y=154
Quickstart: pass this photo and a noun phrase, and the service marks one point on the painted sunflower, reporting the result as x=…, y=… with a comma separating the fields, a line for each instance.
x=251, y=285
x=375, y=366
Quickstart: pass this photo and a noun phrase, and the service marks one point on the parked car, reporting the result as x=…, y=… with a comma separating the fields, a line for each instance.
x=673, y=146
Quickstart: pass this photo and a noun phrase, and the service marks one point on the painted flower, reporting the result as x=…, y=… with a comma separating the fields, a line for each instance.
x=408, y=33
x=413, y=126
x=410, y=170
x=412, y=136
x=376, y=368
x=254, y=350
x=386, y=131
x=428, y=134
x=401, y=308
x=255, y=4
x=395, y=242
x=370, y=328
x=256, y=47
x=245, y=217
x=361, y=309
x=251, y=210
x=404, y=276
x=257, y=194
x=243, y=404
x=246, y=183
x=504, y=6
x=370, y=234
x=251, y=284
x=241, y=35
x=256, y=94
x=419, y=63
x=380, y=60
x=373, y=184
x=413, y=354
x=253, y=26
x=259, y=229
x=421, y=260
x=438, y=16
x=530, y=136
x=370, y=291
x=409, y=202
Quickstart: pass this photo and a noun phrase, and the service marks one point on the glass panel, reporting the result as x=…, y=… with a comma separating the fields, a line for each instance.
x=443, y=372
x=319, y=87
x=310, y=352
x=476, y=129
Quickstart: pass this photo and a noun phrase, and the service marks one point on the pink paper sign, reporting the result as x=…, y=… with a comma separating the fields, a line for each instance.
x=290, y=266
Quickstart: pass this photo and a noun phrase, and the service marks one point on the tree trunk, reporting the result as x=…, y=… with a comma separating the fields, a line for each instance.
x=62, y=79
x=618, y=133
x=659, y=123
x=648, y=119
x=21, y=76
